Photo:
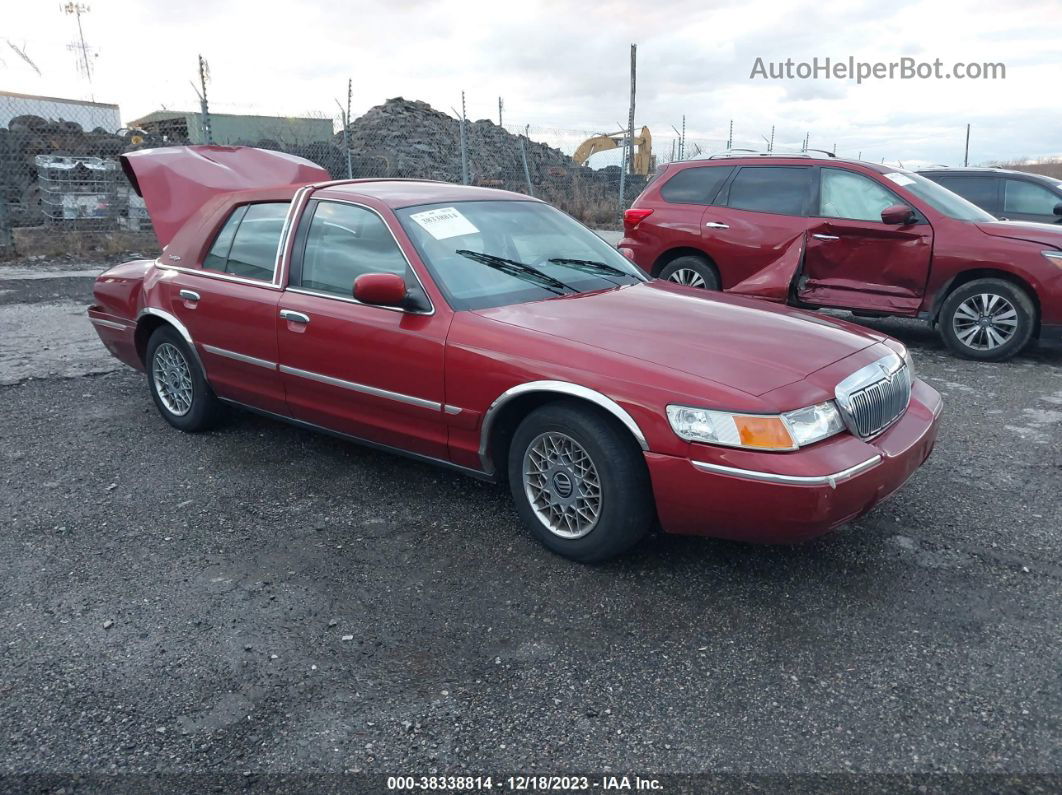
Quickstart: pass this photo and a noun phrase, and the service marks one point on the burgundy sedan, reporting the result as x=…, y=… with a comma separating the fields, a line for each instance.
x=488, y=332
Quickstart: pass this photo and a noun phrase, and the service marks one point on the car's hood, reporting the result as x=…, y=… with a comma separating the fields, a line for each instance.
x=1044, y=234
x=747, y=344
x=175, y=181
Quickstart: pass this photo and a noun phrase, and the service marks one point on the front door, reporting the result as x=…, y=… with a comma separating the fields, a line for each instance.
x=855, y=261
x=372, y=372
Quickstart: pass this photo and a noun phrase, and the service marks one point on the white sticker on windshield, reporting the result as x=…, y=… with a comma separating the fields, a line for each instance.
x=444, y=222
x=899, y=179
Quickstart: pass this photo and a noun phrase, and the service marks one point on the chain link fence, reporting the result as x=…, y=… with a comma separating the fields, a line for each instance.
x=59, y=158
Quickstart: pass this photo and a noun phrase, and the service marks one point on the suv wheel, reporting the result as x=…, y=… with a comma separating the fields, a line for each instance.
x=990, y=320
x=691, y=271
x=579, y=482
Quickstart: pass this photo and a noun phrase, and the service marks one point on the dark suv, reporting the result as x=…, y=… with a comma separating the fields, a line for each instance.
x=876, y=240
x=1009, y=195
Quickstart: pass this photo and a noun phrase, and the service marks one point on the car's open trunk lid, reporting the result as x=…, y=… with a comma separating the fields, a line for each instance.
x=175, y=181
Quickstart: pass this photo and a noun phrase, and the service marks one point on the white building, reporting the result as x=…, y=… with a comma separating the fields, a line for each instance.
x=89, y=115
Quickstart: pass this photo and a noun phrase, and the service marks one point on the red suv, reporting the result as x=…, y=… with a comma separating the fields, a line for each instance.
x=869, y=238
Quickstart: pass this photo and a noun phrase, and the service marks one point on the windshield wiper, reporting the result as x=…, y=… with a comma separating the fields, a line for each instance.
x=590, y=266
x=519, y=270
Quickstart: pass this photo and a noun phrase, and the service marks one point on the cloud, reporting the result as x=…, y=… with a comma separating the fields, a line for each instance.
x=565, y=65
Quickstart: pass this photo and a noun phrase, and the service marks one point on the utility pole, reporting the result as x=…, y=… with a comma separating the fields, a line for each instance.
x=204, y=108
x=77, y=9
x=628, y=146
x=346, y=128
x=966, y=156
x=464, y=144
x=344, y=115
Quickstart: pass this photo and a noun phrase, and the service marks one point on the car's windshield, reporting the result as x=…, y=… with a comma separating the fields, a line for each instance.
x=938, y=197
x=493, y=253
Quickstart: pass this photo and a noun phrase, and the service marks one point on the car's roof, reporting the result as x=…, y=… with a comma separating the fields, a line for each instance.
x=396, y=193
x=782, y=160
x=981, y=170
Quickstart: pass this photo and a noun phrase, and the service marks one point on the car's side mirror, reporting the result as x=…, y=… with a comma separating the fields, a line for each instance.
x=897, y=214
x=380, y=289
x=1058, y=209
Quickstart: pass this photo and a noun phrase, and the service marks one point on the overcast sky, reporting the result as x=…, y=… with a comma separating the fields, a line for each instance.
x=565, y=65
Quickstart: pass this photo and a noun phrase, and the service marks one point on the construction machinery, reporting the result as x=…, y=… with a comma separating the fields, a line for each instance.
x=642, y=161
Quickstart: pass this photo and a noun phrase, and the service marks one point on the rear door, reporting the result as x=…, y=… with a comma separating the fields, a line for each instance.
x=756, y=236
x=229, y=306
x=853, y=260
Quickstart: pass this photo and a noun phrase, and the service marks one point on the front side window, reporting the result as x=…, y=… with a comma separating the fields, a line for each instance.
x=771, y=189
x=1028, y=198
x=343, y=242
x=697, y=185
x=493, y=253
x=845, y=194
x=247, y=244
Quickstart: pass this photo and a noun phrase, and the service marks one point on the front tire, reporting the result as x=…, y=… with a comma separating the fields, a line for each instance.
x=691, y=271
x=177, y=383
x=579, y=482
x=988, y=320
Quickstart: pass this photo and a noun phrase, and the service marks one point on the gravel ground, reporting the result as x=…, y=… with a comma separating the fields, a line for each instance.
x=260, y=598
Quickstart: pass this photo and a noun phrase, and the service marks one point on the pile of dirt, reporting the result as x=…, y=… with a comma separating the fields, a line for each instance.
x=411, y=139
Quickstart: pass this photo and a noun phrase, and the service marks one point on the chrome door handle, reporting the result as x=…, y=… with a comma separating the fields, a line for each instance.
x=717, y=225
x=189, y=295
x=294, y=317
x=826, y=237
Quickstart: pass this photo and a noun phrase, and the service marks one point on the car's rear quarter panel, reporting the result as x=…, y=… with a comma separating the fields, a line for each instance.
x=118, y=295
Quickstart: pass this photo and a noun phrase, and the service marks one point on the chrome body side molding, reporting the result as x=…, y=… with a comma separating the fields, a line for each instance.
x=365, y=389
x=790, y=480
x=240, y=357
x=561, y=388
x=98, y=321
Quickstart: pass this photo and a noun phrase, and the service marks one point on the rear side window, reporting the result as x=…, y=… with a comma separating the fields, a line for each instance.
x=979, y=190
x=345, y=241
x=1029, y=198
x=771, y=189
x=695, y=185
x=247, y=244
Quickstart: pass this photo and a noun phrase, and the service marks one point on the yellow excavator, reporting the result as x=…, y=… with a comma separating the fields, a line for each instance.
x=642, y=163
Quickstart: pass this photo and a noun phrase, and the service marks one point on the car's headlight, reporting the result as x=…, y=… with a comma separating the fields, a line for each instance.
x=756, y=431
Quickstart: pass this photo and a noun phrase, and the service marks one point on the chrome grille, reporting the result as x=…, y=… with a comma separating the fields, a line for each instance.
x=874, y=397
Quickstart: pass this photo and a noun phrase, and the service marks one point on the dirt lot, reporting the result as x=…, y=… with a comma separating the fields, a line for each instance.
x=263, y=599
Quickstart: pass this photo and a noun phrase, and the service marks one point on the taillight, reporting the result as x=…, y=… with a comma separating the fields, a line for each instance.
x=635, y=216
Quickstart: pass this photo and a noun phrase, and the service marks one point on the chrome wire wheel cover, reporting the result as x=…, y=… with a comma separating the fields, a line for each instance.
x=172, y=378
x=688, y=277
x=562, y=485
x=985, y=321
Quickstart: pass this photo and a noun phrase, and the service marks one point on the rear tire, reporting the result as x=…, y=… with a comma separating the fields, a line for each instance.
x=988, y=320
x=579, y=482
x=691, y=271
x=177, y=383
